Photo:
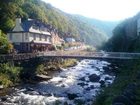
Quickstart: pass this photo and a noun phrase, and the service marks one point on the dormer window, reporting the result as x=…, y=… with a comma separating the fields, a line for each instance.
x=35, y=27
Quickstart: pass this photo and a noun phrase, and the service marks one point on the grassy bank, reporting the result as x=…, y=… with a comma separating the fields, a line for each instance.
x=128, y=73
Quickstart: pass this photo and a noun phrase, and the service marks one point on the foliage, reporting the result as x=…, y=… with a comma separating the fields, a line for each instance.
x=4, y=80
x=126, y=74
x=9, y=74
x=125, y=38
x=40, y=69
x=5, y=46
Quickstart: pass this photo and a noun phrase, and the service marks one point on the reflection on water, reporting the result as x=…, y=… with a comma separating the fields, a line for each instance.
x=79, y=84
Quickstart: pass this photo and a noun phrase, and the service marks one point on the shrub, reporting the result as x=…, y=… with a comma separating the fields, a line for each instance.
x=40, y=69
x=9, y=74
x=4, y=80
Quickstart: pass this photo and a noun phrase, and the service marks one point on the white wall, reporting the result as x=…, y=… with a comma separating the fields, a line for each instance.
x=18, y=26
x=28, y=37
x=18, y=37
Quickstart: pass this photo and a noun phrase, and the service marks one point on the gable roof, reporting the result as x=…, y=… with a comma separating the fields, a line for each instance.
x=25, y=25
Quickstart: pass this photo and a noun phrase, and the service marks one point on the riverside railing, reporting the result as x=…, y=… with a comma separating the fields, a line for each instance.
x=107, y=55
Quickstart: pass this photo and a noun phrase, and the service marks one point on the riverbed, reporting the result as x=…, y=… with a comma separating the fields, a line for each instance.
x=78, y=85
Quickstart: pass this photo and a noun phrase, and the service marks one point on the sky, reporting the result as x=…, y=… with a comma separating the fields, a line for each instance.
x=110, y=10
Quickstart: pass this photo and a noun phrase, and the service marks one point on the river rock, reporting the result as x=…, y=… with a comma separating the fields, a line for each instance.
x=106, y=68
x=79, y=101
x=42, y=77
x=102, y=82
x=108, y=78
x=29, y=89
x=1, y=87
x=82, y=79
x=33, y=93
x=92, y=87
x=82, y=84
x=72, y=96
x=3, y=98
x=94, y=78
x=88, y=89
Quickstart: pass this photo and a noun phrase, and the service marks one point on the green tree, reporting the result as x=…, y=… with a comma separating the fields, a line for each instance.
x=5, y=46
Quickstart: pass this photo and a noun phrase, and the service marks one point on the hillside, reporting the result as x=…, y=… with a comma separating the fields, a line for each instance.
x=125, y=36
x=105, y=26
x=65, y=23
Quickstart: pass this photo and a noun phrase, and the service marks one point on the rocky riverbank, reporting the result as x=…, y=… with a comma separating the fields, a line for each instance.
x=78, y=85
x=32, y=71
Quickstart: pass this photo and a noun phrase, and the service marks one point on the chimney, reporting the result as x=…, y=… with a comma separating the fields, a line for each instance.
x=18, y=26
x=18, y=20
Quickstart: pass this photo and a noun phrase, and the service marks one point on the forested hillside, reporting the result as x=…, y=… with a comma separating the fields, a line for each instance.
x=105, y=26
x=37, y=9
x=125, y=36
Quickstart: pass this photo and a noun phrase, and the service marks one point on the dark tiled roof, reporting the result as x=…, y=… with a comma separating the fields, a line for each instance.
x=26, y=25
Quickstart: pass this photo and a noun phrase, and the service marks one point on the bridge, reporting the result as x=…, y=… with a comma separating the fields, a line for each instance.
x=66, y=54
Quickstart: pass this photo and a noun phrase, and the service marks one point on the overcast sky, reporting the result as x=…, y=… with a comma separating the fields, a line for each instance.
x=99, y=9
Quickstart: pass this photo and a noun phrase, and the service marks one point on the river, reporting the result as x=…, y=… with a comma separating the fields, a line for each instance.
x=78, y=85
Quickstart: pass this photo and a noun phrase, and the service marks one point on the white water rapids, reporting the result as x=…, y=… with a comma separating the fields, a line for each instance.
x=72, y=86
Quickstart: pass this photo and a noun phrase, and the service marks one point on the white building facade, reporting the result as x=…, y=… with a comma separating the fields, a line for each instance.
x=30, y=35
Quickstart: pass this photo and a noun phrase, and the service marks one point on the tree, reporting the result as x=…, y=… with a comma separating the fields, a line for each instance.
x=5, y=46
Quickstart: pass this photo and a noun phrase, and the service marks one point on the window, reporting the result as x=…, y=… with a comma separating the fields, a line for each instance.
x=45, y=38
x=26, y=36
x=49, y=39
x=10, y=36
x=34, y=36
x=35, y=27
x=40, y=37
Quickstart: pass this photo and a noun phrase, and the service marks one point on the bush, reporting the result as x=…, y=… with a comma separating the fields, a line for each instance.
x=40, y=69
x=5, y=80
x=5, y=46
x=9, y=74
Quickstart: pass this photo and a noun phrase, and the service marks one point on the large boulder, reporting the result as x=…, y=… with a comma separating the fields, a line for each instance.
x=94, y=78
x=72, y=96
x=42, y=77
